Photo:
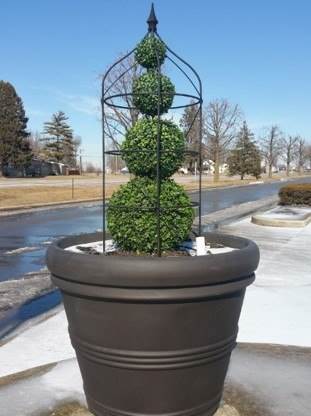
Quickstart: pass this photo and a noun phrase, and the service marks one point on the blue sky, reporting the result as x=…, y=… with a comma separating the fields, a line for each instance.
x=254, y=53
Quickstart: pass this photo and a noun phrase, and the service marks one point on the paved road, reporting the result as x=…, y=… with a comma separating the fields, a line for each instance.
x=24, y=238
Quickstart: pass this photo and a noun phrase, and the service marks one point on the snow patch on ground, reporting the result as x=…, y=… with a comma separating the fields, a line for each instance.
x=286, y=213
x=21, y=250
x=39, y=395
x=41, y=344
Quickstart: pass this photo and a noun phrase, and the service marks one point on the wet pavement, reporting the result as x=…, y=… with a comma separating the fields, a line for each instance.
x=25, y=237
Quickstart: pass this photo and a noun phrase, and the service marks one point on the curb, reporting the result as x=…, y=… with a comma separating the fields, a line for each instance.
x=212, y=221
x=273, y=222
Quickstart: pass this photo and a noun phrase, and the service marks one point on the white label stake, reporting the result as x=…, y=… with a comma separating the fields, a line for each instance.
x=200, y=243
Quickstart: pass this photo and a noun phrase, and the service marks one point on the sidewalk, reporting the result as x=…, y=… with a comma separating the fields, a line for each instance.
x=277, y=307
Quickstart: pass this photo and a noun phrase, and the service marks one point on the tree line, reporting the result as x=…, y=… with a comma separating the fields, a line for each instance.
x=227, y=139
x=18, y=146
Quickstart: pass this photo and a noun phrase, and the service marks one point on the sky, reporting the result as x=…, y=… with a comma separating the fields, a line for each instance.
x=255, y=53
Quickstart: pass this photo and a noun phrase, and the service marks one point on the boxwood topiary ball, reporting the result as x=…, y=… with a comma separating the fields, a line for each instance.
x=150, y=52
x=146, y=94
x=134, y=227
x=140, y=148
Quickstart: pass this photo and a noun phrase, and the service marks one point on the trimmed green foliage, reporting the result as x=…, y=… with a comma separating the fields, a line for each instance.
x=134, y=227
x=146, y=93
x=150, y=52
x=295, y=194
x=142, y=138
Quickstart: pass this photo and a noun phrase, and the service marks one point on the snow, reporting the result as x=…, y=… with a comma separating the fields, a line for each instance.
x=44, y=343
x=96, y=247
x=21, y=250
x=276, y=309
x=41, y=394
x=286, y=213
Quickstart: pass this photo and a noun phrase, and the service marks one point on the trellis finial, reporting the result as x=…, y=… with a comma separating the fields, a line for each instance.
x=152, y=20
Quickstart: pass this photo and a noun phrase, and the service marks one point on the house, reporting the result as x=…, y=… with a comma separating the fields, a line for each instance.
x=37, y=168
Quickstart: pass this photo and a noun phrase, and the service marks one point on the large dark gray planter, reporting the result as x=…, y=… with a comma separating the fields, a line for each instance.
x=153, y=336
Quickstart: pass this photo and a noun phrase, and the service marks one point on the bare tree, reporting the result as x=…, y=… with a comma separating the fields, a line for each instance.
x=308, y=155
x=271, y=147
x=119, y=82
x=35, y=143
x=90, y=167
x=301, y=155
x=191, y=125
x=77, y=141
x=290, y=147
x=222, y=120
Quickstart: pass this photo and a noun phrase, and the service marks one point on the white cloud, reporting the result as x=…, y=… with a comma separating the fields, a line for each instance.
x=81, y=103
x=32, y=112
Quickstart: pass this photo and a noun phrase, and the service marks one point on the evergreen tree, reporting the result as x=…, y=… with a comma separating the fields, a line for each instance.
x=59, y=142
x=15, y=150
x=245, y=157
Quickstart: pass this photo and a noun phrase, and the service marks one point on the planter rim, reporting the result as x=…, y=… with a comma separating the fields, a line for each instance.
x=147, y=272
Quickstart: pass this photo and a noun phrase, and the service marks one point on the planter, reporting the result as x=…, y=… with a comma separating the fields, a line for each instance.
x=153, y=336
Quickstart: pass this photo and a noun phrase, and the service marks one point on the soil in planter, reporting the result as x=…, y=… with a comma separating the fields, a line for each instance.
x=170, y=253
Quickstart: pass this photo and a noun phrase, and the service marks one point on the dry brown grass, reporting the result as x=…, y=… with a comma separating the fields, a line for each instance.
x=71, y=409
x=25, y=196
x=33, y=195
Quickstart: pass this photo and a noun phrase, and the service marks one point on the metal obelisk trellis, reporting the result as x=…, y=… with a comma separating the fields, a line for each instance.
x=110, y=100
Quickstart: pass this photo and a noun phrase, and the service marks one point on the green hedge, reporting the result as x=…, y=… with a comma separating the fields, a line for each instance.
x=133, y=222
x=150, y=52
x=295, y=194
x=146, y=94
x=142, y=137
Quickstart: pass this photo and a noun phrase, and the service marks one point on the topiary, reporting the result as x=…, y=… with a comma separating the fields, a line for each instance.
x=146, y=93
x=150, y=52
x=132, y=216
x=140, y=148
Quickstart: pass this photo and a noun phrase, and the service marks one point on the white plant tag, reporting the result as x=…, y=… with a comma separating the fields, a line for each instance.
x=200, y=243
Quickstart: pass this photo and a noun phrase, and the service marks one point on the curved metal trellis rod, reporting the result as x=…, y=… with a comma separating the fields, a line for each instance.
x=108, y=99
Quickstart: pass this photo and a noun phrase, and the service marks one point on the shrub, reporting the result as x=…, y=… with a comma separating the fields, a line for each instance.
x=140, y=148
x=148, y=50
x=295, y=194
x=146, y=94
x=134, y=227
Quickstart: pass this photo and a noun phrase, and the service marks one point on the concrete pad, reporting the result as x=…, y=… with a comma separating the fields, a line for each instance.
x=284, y=216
